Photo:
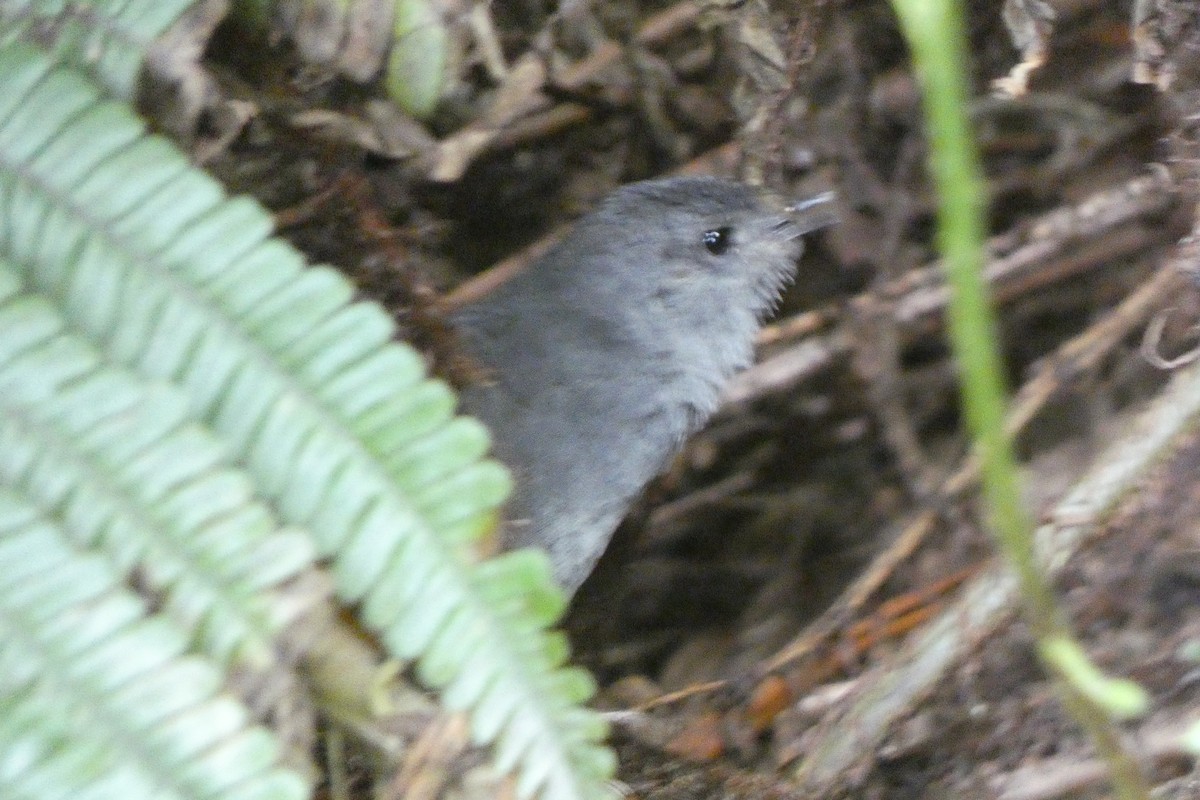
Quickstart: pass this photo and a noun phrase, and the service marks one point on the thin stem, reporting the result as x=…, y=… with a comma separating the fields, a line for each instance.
x=936, y=34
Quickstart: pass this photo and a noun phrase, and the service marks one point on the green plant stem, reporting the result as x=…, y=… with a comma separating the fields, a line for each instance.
x=936, y=34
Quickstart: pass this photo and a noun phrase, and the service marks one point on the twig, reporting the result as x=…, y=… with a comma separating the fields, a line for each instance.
x=1060, y=777
x=522, y=95
x=891, y=690
x=1045, y=258
x=1075, y=358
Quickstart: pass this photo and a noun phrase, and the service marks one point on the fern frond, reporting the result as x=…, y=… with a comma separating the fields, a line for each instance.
x=147, y=261
x=99, y=700
x=120, y=468
x=106, y=38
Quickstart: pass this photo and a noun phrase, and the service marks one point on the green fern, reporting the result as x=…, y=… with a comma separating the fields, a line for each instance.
x=93, y=691
x=108, y=39
x=134, y=283
x=215, y=585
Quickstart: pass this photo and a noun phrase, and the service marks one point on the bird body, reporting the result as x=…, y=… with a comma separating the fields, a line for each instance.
x=605, y=354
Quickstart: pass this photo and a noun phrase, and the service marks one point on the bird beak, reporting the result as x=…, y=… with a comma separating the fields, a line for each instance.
x=815, y=213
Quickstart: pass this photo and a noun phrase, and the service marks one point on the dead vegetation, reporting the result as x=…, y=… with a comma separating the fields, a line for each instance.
x=752, y=622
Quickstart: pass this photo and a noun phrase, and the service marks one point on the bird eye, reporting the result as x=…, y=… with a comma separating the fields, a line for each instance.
x=718, y=240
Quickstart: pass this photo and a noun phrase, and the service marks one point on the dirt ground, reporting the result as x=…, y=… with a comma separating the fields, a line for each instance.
x=794, y=553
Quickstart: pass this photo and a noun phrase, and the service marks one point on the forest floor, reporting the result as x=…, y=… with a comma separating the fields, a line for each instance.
x=749, y=625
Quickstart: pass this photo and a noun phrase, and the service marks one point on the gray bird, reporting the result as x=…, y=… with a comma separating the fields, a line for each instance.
x=605, y=354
